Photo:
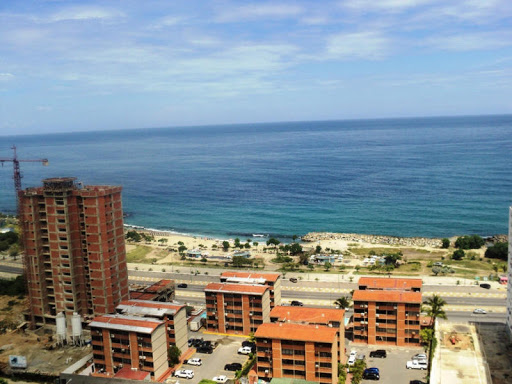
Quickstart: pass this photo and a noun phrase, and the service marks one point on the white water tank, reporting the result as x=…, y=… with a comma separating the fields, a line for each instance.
x=76, y=325
x=61, y=326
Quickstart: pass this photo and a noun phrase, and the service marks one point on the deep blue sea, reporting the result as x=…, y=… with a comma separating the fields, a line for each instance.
x=406, y=177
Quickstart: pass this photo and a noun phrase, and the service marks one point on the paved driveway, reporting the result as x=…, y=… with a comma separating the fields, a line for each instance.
x=213, y=364
x=392, y=368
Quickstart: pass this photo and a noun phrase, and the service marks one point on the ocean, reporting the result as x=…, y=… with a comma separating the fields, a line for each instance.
x=431, y=177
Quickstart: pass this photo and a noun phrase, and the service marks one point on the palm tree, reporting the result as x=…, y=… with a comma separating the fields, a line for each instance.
x=434, y=308
x=342, y=302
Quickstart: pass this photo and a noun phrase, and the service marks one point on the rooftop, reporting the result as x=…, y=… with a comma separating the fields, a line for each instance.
x=236, y=288
x=126, y=323
x=388, y=283
x=128, y=373
x=299, y=332
x=267, y=276
x=307, y=314
x=387, y=296
x=286, y=380
x=148, y=307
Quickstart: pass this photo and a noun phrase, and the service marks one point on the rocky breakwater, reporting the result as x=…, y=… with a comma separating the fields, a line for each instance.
x=374, y=239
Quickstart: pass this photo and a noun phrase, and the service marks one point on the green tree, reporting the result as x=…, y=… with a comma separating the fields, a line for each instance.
x=446, y=243
x=174, y=355
x=247, y=245
x=274, y=242
x=295, y=237
x=426, y=336
x=392, y=258
x=342, y=303
x=295, y=248
x=433, y=307
x=327, y=266
x=436, y=270
x=237, y=243
x=133, y=236
x=469, y=242
x=240, y=261
x=318, y=249
x=182, y=249
x=497, y=251
x=458, y=254
x=225, y=245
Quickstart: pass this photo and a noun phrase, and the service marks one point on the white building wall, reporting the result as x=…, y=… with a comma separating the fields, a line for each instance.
x=509, y=285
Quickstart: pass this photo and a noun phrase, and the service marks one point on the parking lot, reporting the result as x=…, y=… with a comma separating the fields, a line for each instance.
x=392, y=368
x=213, y=364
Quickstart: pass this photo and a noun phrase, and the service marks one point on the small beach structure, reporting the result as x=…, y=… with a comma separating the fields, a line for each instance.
x=323, y=258
x=245, y=254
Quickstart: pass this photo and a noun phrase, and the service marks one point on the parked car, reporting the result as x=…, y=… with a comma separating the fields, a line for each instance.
x=380, y=353
x=194, y=361
x=220, y=379
x=247, y=343
x=480, y=311
x=352, y=357
x=195, y=342
x=417, y=382
x=184, y=374
x=419, y=356
x=293, y=279
x=371, y=374
x=182, y=285
x=438, y=264
x=205, y=349
x=244, y=350
x=233, y=367
x=296, y=303
x=416, y=364
x=485, y=285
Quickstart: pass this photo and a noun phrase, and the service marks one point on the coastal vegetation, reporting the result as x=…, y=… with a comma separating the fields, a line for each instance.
x=497, y=251
x=469, y=242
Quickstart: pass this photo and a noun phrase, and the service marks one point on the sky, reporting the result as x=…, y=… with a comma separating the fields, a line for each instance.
x=102, y=65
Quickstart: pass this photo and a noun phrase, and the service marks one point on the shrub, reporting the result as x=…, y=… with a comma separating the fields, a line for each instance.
x=469, y=242
x=497, y=251
x=446, y=243
x=458, y=254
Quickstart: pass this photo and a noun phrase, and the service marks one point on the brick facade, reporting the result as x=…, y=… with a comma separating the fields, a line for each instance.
x=75, y=252
x=236, y=308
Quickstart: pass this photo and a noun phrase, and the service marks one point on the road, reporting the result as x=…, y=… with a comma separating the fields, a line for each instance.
x=322, y=294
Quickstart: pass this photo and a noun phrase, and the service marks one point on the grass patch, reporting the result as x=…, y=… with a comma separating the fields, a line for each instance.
x=474, y=265
x=378, y=251
x=138, y=254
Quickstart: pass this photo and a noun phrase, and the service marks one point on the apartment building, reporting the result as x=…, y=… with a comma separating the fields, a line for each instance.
x=236, y=308
x=273, y=280
x=163, y=290
x=297, y=351
x=174, y=316
x=133, y=342
x=326, y=317
x=75, y=259
x=388, y=284
x=387, y=317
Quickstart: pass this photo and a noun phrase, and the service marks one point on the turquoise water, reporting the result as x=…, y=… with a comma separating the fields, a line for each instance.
x=404, y=177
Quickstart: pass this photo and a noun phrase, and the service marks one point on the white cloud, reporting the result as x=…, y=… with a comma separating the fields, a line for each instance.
x=169, y=21
x=384, y=5
x=269, y=10
x=5, y=76
x=358, y=45
x=470, y=41
x=85, y=13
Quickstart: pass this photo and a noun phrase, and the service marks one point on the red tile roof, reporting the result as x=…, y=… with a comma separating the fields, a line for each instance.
x=237, y=288
x=299, y=332
x=159, y=285
x=387, y=296
x=127, y=373
x=141, y=295
x=388, y=283
x=251, y=275
x=307, y=314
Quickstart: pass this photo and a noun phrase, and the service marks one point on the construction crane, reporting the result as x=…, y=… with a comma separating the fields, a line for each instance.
x=17, y=172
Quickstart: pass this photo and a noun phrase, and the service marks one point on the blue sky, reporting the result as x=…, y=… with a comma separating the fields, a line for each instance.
x=97, y=65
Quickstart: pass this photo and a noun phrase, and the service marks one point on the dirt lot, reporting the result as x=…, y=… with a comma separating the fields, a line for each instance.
x=497, y=351
x=34, y=345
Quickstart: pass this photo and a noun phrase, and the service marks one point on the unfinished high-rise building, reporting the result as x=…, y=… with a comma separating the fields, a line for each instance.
x=75, y=258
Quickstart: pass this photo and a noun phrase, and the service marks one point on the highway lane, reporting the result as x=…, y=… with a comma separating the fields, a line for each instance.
x=290, y=290
x=318, y=295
